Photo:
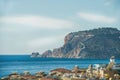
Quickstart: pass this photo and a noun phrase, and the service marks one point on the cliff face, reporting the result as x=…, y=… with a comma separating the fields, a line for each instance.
x=96, y=43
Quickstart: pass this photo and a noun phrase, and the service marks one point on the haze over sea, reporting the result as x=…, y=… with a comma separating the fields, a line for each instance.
x=21, y=63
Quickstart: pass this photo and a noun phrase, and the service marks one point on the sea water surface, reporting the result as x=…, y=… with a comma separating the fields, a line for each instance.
x=21, y=63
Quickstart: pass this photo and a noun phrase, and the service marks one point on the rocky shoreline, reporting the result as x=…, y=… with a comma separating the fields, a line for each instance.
x=98, y=72
x=64, y=74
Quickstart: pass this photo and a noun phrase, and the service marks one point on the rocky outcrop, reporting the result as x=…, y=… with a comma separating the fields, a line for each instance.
x=47, y=53
x=35, y=54
x=96, y=43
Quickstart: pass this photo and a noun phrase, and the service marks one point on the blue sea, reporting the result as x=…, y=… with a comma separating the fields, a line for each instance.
x=21, y=63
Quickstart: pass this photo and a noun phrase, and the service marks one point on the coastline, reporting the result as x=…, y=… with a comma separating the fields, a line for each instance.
x=41, y=66
x=76, y=73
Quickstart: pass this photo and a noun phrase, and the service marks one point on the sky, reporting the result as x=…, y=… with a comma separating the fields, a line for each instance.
x=28, y=26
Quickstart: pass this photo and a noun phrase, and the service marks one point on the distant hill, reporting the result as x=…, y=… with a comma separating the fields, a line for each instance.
x=97, y=43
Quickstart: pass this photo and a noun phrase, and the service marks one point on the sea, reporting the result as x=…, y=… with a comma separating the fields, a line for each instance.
x=21, y=63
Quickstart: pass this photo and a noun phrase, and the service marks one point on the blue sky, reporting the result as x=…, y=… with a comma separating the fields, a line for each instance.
x=38, y=25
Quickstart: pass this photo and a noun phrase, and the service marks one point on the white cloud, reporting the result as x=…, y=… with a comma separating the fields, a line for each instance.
x=45, y=43
x=8, y=29
x=37, y=21
x=41, y=42
x=96, y=18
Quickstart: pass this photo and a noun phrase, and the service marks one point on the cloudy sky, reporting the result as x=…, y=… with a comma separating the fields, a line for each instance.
x=38, y=25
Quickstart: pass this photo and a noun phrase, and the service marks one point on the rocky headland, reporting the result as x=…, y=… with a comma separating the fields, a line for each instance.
x=97, y=43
